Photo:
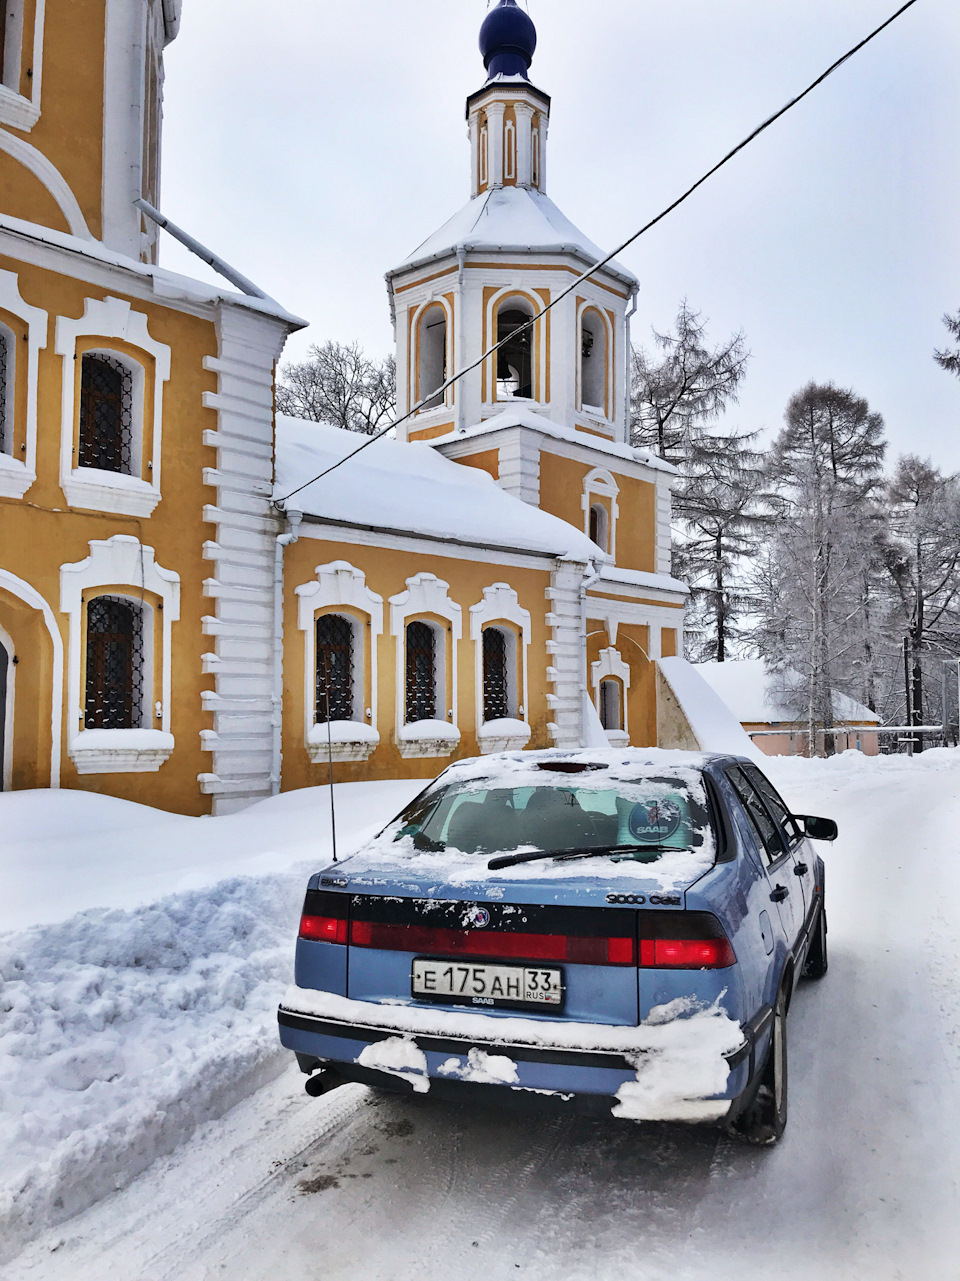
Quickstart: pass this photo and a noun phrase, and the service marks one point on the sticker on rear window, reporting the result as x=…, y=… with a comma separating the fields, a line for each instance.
x=652, y=823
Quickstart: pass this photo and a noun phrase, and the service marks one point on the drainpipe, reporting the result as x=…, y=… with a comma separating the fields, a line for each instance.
x=591, y=576
x=628, y=363
x=276, y=722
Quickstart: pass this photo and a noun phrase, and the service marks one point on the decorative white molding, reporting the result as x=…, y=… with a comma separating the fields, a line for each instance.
x=500, y=604
x=23, y=591
x=426, y=594
x=51, y=178
x=124, y=563
x=87, y=487
x=538, y=347
x=505, y=735
x=601, y=483
x=415, y=321
x=16, y=110
x=16, y=475
x=340, y=585
x=427, y=738
x=565, y=672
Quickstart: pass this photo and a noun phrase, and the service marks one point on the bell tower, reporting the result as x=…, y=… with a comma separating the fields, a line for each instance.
x=494, y=266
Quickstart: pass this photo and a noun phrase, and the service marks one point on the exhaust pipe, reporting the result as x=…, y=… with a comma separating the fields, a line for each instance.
x=323, y=1082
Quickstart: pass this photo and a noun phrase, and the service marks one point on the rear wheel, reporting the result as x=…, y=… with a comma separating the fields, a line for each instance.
x=764, y=1119
x=816, y=963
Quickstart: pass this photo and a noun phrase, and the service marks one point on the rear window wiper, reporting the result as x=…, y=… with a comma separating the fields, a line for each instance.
x=511, y=860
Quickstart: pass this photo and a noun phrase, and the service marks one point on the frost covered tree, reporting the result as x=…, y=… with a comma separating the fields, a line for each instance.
x=824, y=475
x=922, y=556
x=340, y=385
x=720, y=515
x=950, y=360
x=683, y=385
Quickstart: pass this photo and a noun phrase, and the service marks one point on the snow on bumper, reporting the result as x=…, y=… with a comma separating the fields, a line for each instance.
x=674, y=1067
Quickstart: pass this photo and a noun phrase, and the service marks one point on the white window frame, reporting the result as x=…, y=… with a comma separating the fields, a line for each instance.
x=501, y=604
x=128, y=567
x=89, y=487
x=600, y=483
x=17, y=110
x=340, y=586
x=17, y=474
x=427, y=595
x=611, y=664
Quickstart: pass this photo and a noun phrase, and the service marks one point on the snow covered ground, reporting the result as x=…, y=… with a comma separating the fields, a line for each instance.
x=864, y=1185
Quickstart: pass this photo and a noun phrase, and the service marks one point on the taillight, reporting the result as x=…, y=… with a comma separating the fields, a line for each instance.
x=502, y=945
x=324, y=917
x=687, y=954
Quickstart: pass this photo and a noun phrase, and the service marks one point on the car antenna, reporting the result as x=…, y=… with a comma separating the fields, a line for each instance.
x=333, y=811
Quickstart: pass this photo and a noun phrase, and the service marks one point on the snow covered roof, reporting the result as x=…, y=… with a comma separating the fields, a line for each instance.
x=750, y=690
x=714, y=726
x=410, y=488
x=167, y=285
x=539, y=422
x=514, y=219
x=642, y=578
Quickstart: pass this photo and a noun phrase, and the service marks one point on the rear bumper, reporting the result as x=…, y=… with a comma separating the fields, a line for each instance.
x=460, y=1066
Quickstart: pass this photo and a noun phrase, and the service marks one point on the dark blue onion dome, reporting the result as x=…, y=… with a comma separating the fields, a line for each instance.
x=508, y=40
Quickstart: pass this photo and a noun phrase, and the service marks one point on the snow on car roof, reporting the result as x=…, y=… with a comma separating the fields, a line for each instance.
x=395, y=485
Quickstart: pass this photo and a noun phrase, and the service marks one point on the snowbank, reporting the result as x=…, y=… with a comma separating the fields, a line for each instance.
x=714, y=726
x=146, y=1011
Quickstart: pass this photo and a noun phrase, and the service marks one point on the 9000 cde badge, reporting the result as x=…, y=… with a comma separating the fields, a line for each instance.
x=508, y=985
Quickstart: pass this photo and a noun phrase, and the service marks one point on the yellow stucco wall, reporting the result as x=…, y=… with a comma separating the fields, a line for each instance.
x=386, y=572
x=39, y=533
x=561, y=492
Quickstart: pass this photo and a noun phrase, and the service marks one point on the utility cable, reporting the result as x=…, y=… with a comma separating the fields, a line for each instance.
x=609, y=258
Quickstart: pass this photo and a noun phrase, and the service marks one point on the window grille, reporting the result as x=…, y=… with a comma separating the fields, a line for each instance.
x=495, y=691
x=610, y=716
x=114, y=664
x=6, y=445
x=421, y=673
x=106, y=414
x=334, y=669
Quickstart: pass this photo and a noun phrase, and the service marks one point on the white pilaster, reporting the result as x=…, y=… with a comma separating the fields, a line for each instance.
x=565, y=656
x=524, y=113
x=495, y=114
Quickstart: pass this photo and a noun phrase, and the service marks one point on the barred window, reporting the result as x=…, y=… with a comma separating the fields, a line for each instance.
x=106, y=414
x=421, y=673
x=611, y=712
x=6, y=380
x=496, y=694
x=334, y=669
x=114, y=696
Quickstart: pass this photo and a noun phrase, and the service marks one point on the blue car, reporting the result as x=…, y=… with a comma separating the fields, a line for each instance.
x=619, y=932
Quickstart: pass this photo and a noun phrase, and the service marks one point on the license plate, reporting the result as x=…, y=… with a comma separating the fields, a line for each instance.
x=459, y=982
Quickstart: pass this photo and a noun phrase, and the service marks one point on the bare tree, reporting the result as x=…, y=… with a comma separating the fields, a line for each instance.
x=825, y=472
x=950, y=360
x=922, y=554
x=718, y=504
x=683, y=385
x=340, y=385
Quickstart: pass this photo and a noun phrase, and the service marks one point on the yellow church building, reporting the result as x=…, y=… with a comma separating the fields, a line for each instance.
x=195, y=611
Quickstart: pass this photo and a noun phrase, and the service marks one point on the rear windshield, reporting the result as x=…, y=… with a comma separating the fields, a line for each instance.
x=649, y=817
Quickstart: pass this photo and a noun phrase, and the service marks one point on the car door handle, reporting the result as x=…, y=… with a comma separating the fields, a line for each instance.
x=801, y=869
x=780, y=892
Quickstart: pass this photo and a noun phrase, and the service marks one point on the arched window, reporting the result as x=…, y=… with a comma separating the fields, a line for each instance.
x=515, y=357
x=114, y=694
x=421, y=691
x=106, y=414
x=483, y=154
x=536, y=158
x=496, y=682
x=598, y=526
x=593, y=363
x=7, y=351
x=432, y=347
x=611, y=704
x=334, y=701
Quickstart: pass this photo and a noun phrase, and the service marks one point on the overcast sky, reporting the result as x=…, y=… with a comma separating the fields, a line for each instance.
x=315, y=144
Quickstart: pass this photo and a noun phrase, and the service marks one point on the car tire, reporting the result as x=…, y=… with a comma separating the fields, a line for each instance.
x=815, y=965
x=764, y=1119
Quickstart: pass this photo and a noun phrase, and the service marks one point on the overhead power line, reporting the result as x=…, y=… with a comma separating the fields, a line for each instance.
x=603, y=262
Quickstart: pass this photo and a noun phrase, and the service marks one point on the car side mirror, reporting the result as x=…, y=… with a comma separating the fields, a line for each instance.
x=821, y=829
